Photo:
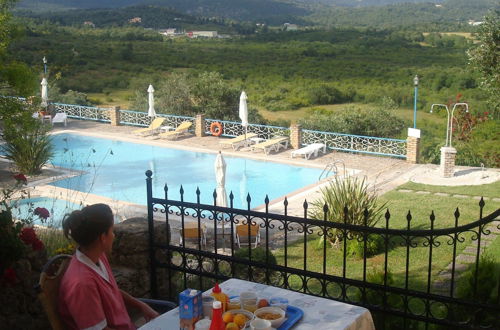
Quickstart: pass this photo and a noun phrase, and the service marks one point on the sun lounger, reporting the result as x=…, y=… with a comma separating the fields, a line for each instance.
x=61, y=118
x=309, y=150
x=180, y=130
x=153, y=128
x=273, y=144
x=238, y=141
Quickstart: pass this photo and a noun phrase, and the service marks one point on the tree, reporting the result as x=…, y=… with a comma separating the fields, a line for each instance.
x=15, y=77
x=485, y=58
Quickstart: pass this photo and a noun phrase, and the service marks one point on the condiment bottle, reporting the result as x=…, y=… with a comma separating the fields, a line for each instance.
x=217, y=322
x=220, y=296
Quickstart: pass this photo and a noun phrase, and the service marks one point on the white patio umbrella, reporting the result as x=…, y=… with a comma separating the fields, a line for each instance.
x=45, y=93
x=220, y=177
x=151, y=101
x=243, y=113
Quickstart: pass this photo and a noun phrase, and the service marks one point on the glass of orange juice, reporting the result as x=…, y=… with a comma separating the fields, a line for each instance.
x=248, y=301
x=234, y=303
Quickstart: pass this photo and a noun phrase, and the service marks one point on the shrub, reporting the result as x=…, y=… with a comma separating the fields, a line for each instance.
x=258, y=274
x=487, y=282
x=28, y=146
x=349, y=194
x=374, y=244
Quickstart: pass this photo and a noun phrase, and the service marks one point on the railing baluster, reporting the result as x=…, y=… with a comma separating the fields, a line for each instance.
x=285, y=204
x=407, y=268
x=429, y=270
x=454, y=261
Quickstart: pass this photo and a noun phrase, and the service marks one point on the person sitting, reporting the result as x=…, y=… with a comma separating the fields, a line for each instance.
x=89, y=297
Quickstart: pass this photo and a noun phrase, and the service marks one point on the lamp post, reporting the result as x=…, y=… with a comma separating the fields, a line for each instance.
x=44, y=65
x=415, y=83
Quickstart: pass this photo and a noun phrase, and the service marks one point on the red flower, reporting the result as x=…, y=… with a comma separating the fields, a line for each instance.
x=28, y=235
x=10, y=276
x=37, y=245
x=21, y=178
x=42, y=212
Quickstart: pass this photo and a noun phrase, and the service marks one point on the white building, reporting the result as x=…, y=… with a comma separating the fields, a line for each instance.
x=204, y=34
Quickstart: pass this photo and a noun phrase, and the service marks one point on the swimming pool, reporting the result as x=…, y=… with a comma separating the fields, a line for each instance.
x=116, y=169
x=23, y=209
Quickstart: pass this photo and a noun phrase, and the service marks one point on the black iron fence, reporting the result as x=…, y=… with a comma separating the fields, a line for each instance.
x=409, y=278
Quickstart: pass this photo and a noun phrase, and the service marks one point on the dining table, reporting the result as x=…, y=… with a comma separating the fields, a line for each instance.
x=319, y=313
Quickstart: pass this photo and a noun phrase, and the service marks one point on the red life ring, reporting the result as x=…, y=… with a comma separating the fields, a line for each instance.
x=216, y=129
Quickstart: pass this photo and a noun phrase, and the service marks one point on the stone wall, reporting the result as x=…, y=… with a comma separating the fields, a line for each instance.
x=130, y=257
x=20, y=307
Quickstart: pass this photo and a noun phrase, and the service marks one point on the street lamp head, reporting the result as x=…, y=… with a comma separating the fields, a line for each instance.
x=44, y=60
x=415, y=80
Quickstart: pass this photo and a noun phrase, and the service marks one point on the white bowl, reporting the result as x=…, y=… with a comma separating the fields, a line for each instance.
x=275, y=310
x=248, y=314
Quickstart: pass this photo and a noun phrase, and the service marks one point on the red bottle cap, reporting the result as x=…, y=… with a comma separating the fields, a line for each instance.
x=216, y=288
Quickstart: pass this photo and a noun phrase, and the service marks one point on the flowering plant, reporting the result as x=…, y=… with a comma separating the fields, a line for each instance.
x=42, y=212
x=16, y=239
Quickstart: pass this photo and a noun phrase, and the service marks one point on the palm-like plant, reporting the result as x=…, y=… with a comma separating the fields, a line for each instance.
x=347, y=200
x=28, y=146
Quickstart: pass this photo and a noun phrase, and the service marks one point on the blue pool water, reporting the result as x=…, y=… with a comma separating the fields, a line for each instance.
x=115, y=169
x=57, y=208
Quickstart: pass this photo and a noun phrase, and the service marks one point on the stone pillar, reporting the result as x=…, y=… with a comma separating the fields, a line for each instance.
x=114, y=115
x=413, y=146
x=199, y=129
x=447, y=167
x=296, y=136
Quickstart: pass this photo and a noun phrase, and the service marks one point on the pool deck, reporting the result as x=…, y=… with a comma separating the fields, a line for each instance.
x=383, y=173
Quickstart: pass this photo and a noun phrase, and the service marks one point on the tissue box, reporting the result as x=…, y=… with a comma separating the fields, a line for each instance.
x=190, y=308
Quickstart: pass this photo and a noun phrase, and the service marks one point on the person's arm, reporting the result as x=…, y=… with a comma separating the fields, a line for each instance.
x=131, y=302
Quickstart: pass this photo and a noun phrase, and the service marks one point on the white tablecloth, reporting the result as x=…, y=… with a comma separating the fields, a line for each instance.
x=319, y=313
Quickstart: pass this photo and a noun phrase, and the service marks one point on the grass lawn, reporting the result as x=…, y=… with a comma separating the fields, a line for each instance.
x=398, y=203
x=118, y=97
x=486, y=190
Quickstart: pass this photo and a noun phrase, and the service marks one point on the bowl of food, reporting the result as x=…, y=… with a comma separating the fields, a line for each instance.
x=237, y=317
x=273, y=314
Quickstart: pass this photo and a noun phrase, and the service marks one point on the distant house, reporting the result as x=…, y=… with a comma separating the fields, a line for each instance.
x=135, y=20
x=290, y=27
x=169, y=32
x=474, y=23
x=438, y=6
x=203, y=34
x=89, y=24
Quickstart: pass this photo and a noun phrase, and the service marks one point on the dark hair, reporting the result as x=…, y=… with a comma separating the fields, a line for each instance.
x=86, y=225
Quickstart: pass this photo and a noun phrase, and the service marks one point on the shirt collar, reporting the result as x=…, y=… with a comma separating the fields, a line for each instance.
x=100, y=269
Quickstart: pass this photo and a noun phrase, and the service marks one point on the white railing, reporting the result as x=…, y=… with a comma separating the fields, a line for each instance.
x=231, y=129
x=357, y=143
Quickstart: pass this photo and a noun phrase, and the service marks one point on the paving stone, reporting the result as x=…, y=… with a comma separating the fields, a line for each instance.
x=466, y=258
x=441, y=194
x=494, y=229
x=461, y=196
x=496, y=199
x=471, y=250
x=405, y=190
x=421, y=192
x=479, y=198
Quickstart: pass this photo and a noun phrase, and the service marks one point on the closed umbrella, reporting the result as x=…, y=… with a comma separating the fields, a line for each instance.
x=220, y=177
x=151, y=101
x=45, y=94
x=243, y=113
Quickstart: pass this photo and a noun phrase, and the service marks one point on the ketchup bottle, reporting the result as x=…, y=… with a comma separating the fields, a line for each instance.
x=217, y=322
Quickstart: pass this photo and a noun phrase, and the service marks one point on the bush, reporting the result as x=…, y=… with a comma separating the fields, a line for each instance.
x=28, y=146
x=258, y=274
x=486, y=292
x=353, y=195
x=379, y=122
x=374, y=245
